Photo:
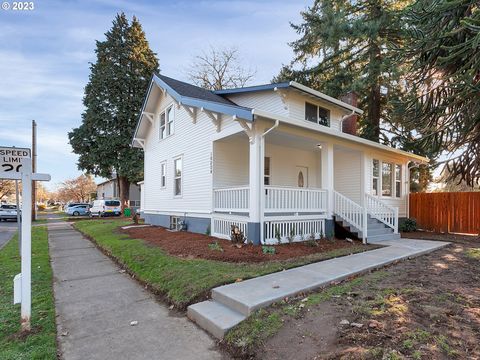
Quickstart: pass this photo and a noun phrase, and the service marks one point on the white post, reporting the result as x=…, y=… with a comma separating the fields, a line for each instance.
x=255, y=181
x=26, y=252
x=328, y=175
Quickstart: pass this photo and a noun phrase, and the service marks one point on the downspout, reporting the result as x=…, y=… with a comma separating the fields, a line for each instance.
x=262, y=184
x=344, y=117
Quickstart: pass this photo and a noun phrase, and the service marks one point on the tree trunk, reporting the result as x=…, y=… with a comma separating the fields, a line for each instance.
x=124, y=191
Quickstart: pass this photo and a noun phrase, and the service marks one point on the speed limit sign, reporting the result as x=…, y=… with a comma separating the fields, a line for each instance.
x=11, y=158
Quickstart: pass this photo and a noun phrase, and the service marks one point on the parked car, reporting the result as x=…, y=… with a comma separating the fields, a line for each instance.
x=65, y=208
x=106, y=208
x=8, y=212
x=79, y=210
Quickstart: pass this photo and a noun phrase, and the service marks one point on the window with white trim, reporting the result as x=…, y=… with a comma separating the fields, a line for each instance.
x=375, y=176
x=317, y=114
x=166, y=123
x=387, y=179
x=170, y=118
x=177, y=176
x=266, y=175
x=163, y=174
x=398, y=180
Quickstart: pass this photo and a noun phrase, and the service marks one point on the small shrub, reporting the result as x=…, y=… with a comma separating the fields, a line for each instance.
x=311, y=243
x=208, y=231
x=291, y=236
x=409, y=225
x=277, y=235
x=215, y=246
x=41, y=207
x=270, y=250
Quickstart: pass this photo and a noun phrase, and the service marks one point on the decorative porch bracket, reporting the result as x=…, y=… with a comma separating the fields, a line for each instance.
x=150, y=116
x=249, y=130
x=141, y=142
x=192, y=112
x=215, y=117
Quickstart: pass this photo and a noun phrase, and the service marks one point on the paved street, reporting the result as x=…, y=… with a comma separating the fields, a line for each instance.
x=7, y=229
x=96, y=304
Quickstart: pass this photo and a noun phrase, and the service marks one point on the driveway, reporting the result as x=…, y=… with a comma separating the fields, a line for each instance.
x=7, y=229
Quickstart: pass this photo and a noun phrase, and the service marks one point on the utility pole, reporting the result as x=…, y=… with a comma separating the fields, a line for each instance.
x=34, y=168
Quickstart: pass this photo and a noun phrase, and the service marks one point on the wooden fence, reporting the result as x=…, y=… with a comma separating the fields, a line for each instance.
x=452, y=212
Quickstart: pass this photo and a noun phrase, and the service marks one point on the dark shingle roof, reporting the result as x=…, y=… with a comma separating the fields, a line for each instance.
x=192, y=91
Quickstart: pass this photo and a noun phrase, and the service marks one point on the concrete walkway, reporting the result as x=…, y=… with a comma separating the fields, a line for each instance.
x=232, y=303
x=7, y=230
x=95, y=304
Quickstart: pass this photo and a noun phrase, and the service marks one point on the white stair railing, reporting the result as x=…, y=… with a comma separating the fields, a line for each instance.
x=382, y=212
x=351, y=212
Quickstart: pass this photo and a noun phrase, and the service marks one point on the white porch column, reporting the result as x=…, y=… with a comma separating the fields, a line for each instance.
x=328, y=175
x=257, y=151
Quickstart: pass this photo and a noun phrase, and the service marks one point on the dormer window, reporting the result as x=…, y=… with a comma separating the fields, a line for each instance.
x=317, y=114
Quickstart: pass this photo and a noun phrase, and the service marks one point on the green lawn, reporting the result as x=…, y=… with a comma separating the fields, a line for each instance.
x=41, y=342
x=182, y=281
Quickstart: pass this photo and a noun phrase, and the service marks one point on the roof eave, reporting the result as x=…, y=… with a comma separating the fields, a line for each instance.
x=344, y=136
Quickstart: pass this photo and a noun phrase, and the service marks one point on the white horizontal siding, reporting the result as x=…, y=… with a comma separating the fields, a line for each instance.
x=193, y=143
x=347, y=174
x=268, y=100
x=284, y=162
x=230, y=162
x=231, y=158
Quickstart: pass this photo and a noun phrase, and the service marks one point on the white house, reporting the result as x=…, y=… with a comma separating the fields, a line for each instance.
x=272, y=159
x=108, y=190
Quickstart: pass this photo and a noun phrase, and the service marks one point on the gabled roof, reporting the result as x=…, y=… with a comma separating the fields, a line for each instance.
x=292, y=85
x=191, y=95
x=192, y=91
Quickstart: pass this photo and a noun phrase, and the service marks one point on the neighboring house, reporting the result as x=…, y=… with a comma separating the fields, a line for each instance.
x=272, y=159
x=108, y=190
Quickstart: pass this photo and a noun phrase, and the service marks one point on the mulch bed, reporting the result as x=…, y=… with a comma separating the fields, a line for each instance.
x=190, y=245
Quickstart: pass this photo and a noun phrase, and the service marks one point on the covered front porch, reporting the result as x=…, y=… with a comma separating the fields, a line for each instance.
x=280, y=185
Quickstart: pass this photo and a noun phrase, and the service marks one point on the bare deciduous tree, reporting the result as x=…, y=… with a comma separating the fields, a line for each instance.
x=219, y=68
x=78, y=189
x=7, y=188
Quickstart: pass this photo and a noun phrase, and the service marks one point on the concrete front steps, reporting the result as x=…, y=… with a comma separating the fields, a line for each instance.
x=231, y=304
x=376, y=230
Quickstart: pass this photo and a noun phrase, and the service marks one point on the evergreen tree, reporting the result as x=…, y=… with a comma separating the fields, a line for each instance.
x=445, y=101
x=113, y=100
x=346, y=45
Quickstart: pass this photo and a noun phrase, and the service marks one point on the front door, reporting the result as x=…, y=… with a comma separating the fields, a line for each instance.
x=302, y=176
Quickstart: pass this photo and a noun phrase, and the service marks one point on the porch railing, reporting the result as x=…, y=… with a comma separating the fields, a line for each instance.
x=288, y=230
x=351, y=212
x=234, y=199
x=383, y=212
x=289, y=199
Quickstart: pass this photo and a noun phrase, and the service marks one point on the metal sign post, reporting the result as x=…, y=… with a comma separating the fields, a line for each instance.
x=16, y=164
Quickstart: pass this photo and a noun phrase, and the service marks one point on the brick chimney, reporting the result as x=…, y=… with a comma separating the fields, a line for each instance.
x=349, y=124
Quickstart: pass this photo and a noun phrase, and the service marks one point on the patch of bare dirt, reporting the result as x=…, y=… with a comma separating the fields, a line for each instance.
x=191, y=245
x=424, y=308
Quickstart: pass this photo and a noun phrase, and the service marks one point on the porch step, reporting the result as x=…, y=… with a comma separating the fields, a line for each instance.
x=214, y=317
x=379, y=231
x=378, y=239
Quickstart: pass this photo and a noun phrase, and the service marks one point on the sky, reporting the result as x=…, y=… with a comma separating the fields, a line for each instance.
x=45, y=55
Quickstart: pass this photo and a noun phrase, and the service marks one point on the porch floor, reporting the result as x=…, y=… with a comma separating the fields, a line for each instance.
x=232, y=303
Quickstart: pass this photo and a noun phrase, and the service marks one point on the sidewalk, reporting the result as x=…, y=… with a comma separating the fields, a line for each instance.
x=95, y=304
x=233, y=303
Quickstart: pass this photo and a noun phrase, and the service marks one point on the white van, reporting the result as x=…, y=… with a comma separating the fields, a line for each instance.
x=106, y=208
